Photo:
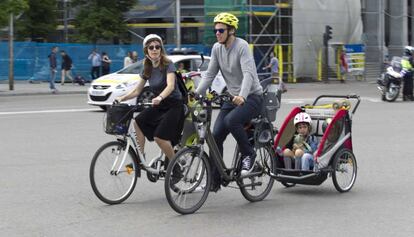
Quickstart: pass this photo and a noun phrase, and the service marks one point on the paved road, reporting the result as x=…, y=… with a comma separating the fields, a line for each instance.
x=47, y=141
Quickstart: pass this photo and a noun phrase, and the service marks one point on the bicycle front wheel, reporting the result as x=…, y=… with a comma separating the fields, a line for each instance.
x=187, y=180
x=113, y=172
x=257, y=187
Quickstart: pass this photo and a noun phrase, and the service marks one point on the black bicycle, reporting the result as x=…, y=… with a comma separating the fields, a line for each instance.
x=188, y=177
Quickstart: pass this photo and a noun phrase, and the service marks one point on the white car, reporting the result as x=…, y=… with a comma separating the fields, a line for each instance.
x=105, y=89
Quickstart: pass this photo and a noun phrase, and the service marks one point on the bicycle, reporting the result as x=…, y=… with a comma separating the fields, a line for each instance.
x=116, y=165
x=188, y=191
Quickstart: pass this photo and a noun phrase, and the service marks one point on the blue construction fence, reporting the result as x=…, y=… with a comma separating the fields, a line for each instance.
x=31, y=59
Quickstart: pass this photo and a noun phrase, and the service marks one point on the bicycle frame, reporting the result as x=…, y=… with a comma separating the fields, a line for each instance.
x=205, y=134
x=131, y=141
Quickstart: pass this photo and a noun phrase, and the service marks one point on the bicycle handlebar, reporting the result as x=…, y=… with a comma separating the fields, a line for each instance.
x=215, y=97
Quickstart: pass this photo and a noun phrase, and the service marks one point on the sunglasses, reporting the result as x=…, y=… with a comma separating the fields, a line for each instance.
x=152, y=47
x=221, y=31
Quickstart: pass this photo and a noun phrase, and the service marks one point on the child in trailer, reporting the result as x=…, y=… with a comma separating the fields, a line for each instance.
x=303, y=146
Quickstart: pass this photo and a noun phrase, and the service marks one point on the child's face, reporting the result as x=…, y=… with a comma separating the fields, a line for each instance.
x=302, y=128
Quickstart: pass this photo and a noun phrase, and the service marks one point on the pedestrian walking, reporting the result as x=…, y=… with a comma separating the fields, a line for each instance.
x=66, y=67
x=106, y=63
x=53, y=69
x=343, y=66
x=274, y=66
x=96, y=64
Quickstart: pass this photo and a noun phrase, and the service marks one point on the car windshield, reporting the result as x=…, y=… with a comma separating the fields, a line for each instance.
x=135, y=68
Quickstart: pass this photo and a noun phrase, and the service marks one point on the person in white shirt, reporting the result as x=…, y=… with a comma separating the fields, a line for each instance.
x=96, y=64
x=128, y=59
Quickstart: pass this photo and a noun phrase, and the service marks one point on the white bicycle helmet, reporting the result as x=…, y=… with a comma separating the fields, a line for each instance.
x=151, y=37
x=302, y=118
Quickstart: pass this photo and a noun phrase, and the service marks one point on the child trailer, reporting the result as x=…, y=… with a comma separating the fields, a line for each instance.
x=332, y=125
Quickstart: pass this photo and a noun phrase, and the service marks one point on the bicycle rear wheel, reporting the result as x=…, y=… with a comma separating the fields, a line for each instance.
x=257, y=187
x=113, y=172
x=187, y=181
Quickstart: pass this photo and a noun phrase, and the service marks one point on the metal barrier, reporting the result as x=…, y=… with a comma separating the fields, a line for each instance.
x=31, y=59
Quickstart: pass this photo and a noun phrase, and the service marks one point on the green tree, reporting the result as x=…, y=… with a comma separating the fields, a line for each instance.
x=11, y=6
x=39, y=20
x=101, y=19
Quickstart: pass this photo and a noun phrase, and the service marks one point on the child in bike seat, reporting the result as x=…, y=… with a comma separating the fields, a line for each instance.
x=303, y=144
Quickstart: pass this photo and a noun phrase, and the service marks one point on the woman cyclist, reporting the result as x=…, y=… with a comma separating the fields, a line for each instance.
x=162, y=122
x=231, y=55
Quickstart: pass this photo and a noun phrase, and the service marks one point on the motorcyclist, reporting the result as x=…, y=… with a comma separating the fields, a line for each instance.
x=407, y=63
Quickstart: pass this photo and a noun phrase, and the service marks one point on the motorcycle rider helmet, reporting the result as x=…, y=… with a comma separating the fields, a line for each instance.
x=228, y=19
x=408, y=50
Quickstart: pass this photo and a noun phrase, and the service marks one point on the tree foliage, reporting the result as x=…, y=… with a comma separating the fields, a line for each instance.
x=11, y=6
x=101, y=19
x=39, y=20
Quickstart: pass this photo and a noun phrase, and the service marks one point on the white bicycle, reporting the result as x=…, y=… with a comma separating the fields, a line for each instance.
x=116, y=165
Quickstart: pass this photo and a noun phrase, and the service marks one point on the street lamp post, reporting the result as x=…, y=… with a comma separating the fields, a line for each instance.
x=65, y=20
x=11, y=56
x=178, y=23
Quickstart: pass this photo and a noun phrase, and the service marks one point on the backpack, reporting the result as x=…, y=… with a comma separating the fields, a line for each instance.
x=181, y=86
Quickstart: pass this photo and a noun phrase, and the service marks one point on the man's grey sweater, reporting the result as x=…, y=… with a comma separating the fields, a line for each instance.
x=237, y=67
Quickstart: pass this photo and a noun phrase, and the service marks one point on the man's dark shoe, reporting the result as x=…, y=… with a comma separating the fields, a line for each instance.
x=248, y=164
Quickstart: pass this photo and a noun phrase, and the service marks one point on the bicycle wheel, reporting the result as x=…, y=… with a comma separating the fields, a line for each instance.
x=257, y=187
x=187, y=180
x=344, y=170
x=113, y=172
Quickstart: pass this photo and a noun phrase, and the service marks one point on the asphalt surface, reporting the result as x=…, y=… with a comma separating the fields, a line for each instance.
x=47, y=142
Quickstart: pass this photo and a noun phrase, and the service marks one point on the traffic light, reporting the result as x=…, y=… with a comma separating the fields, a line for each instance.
x=327, y=35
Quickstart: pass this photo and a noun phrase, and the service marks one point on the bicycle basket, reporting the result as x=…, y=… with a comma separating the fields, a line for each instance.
x=118, y=118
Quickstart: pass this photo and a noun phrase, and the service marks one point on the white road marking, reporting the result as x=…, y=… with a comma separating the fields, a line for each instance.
x=47, y=111
x=284, y=101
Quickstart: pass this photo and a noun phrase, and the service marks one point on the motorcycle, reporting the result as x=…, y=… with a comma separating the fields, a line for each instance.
x=390, y=82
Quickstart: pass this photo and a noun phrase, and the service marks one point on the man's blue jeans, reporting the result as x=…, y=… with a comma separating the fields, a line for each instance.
x=232, y=119
x=52, y=79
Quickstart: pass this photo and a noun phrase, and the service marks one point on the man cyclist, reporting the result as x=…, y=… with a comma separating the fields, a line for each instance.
x=231, y=55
